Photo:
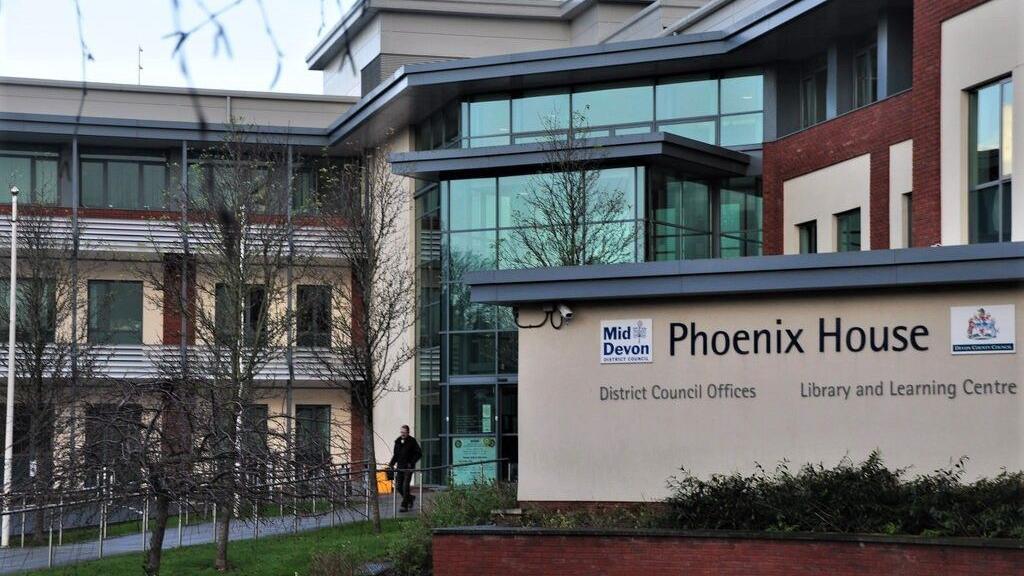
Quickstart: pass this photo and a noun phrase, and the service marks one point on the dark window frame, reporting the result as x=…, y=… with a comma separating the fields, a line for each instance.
x=840, y=219
x=94, y=331
x=870, y=52
x=143, y=162
x=1001, y=187
x=808, y=231
x=50, y=331
x=318, y=334
x=30, y=196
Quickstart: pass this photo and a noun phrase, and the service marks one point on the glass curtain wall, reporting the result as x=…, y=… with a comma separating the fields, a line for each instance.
x=467, y=368
x=468, y=361
x=728, y=111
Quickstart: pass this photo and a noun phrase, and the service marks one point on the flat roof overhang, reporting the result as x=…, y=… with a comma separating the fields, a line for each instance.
x=56, y=128
x=690, y=156
x=416, y=90
x=978, y=264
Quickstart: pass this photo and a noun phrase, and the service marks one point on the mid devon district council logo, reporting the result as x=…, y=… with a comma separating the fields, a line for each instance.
x=626, y=341
x=982, y=329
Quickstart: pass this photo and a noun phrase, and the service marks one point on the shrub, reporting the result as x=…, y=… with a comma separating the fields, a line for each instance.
x=333, y=563
x=457, y=506
x=866, y=498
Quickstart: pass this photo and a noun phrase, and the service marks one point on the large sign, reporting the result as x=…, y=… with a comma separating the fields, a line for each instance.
x=626, y=341
x=982, y=329
x=720, y=385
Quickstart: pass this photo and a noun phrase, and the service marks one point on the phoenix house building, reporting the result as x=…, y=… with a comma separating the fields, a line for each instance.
x=563, y=151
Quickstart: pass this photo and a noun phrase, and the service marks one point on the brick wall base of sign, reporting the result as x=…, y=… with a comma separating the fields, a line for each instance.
x=539, y=552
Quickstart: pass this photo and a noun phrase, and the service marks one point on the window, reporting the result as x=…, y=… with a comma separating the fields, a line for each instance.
x=865, y=76
x=615, y=105
x=813, y=92
x=125, y=182
x=251, y=310
x=305, y=191
x=808, y=237
x=739, y=218
x=908, y=220
x=848, y=231
x=115, y=312
x=535, y=114
x=489, y=122
x=23, y=453
x=254, y=439
x=680, y=213
x=37, y=304
x=728, y=111
x=473, y=410
x=314, y=315
x=111, y=436
x=34, y=173
x=991, y=163
x=313, y=436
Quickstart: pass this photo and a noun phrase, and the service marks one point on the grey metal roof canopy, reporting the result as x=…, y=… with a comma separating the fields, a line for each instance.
x=681, y=153
x=979, y=264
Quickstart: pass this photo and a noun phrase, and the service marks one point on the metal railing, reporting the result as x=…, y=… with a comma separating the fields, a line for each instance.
x=333, y=493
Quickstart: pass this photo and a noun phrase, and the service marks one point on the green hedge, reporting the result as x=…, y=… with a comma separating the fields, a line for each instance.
x=855, y=498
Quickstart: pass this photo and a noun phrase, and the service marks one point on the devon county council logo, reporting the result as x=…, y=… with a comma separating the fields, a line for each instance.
x=982, y=326
x=983, y=329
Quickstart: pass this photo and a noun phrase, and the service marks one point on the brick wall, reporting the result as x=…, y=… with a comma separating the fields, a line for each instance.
x=928, y=18
x=512, y=553
x=913, y=114
x=172, y=299
x=868, y=130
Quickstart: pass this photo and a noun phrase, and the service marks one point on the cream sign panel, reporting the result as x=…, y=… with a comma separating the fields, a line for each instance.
x=718, y=386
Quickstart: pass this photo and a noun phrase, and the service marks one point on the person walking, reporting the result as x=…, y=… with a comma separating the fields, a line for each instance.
x=403, y=459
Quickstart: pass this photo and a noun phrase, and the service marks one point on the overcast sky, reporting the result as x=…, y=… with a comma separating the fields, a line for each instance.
x=39, y=39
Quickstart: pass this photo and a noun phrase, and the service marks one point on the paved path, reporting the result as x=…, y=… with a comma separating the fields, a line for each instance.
x=20, y=560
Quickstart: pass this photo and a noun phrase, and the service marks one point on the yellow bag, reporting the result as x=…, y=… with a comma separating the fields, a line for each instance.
x=384, y=486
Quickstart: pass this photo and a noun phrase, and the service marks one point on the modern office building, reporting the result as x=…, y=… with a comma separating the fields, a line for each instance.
x=721, y=130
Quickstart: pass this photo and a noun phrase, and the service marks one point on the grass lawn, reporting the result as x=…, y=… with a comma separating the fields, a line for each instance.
x=271, y=556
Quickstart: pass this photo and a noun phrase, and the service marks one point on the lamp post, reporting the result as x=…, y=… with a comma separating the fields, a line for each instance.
x=5, y=526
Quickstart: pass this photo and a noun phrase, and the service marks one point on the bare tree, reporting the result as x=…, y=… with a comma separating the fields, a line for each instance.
x=44, y=355
x=235, y=250
x=566, y=215
x=364, y=213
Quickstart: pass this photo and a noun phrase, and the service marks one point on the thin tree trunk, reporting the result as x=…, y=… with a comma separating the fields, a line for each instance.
x=156, y=540
x=371, y=465
x=222, y=531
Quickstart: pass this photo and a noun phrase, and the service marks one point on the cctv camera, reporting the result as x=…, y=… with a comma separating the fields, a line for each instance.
x=565, y=311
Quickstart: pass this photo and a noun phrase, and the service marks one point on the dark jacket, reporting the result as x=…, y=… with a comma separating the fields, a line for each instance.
x=406, y=453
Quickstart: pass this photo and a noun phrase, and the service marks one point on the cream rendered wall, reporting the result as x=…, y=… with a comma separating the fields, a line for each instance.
x=398, y=406
x=575, y=447
x=820, y=195
x=170, y=104
x=979, y=45
x=901, y=181
x=599, y=21
x=342, y=75
x=462, y=36
x=337, y=399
